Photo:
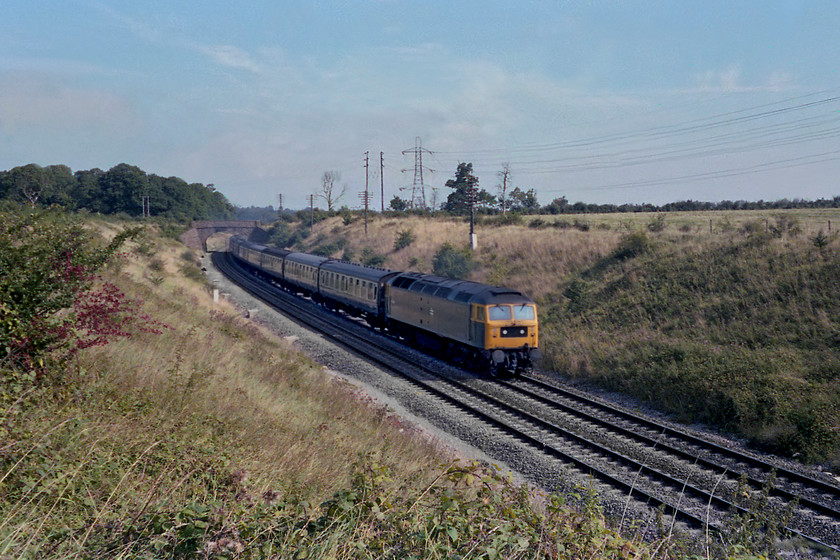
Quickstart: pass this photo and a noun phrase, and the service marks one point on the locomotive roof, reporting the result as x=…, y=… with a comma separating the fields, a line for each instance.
x=463, y=291
x=357, y=270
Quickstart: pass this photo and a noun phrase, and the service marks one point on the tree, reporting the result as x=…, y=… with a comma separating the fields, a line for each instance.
x=523, y=201
x=121, y=189
x=504, y=177
x=466, y=192
x=398, y=204
x=329, y=190
x=24, y=184
x=558, y=206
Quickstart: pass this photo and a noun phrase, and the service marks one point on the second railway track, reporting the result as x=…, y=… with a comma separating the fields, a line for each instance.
x=646, y=463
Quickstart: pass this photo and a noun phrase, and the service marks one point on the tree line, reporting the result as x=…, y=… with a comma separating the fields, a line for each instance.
x=466, y=192
x=123, y=189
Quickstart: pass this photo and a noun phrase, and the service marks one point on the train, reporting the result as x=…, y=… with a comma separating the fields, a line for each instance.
x=486, y=328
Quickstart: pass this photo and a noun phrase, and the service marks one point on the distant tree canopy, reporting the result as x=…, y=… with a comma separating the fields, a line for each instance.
x=119, y=190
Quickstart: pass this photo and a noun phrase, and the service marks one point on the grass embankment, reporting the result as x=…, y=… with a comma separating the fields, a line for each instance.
x=727, y=318
x=214, y=439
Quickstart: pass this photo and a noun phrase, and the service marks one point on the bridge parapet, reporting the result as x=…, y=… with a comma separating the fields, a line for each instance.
x=200, y=231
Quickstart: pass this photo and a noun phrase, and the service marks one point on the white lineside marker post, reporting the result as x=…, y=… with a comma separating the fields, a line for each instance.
x=215, y=295
x=474, y=241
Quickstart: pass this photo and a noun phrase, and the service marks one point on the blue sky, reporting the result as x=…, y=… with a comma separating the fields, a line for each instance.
x=603, y=101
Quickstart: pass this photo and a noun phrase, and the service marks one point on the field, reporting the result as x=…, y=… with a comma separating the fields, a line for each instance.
x=723, y=318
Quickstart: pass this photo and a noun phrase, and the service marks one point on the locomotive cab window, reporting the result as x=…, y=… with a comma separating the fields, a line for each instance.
x=524, y=312
x=479, y=313
x=499, y=313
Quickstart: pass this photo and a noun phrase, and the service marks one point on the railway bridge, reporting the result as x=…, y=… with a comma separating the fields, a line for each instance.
x=201, y=231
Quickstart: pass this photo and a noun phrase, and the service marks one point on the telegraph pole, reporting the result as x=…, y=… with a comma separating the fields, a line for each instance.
x=367, y=174
x=366, y=194
x=382, y=180
x=365, y=198
x=472, y=195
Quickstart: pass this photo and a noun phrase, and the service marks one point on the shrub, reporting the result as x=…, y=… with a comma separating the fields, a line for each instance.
x=582, y=226
x=328, y=249
x=509, y=219
x=281, y=234
x=173, y=230
x=50, y=303
x=657, y=224
x=404, y=239
x=752, y=228
x=786, y=224
x=632, y=245
x=372, y=258
x=452, y=262
x=820, y=240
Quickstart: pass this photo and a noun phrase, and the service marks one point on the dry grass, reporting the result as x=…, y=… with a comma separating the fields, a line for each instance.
x=532, y=260
x=289, y=413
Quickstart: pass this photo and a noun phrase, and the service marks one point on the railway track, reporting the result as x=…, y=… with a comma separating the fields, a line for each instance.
x=688, y=478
